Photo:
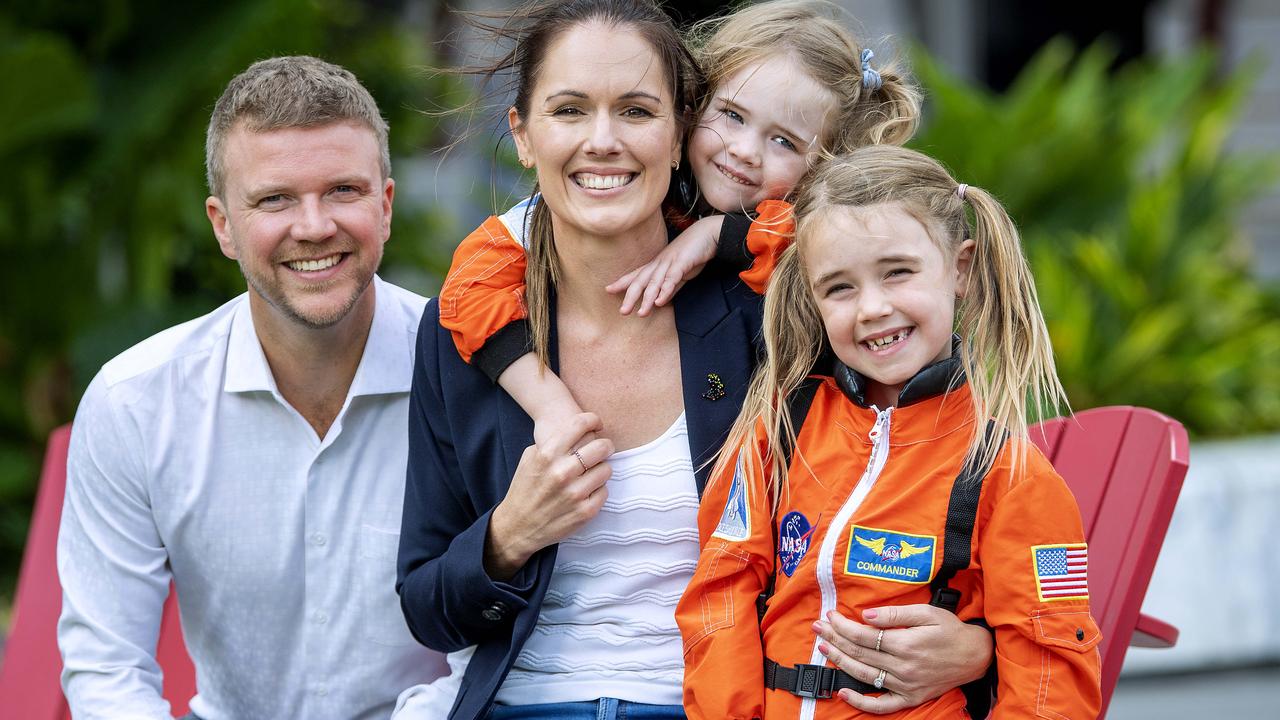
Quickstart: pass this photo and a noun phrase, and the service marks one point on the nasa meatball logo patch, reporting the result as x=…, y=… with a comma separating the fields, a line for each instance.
x=889, y=555
x=794, y=533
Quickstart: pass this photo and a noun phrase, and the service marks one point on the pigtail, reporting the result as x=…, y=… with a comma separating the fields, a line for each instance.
x=884, y=113
x=1007, y=356
x=894, y=111
x=793, y=337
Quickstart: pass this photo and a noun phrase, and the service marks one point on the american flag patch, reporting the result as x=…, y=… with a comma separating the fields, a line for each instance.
x=1062, y=571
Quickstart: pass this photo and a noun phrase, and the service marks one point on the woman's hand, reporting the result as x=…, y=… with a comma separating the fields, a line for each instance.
x=924, y=651
x=555, y=491
x=656, y=282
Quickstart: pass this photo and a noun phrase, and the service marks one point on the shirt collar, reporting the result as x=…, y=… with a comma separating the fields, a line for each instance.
x=247, y=368
x=386, y=366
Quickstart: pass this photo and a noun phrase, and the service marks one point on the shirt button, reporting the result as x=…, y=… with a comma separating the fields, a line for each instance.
x=320, y=617
x=319, y=539
x=322, y=691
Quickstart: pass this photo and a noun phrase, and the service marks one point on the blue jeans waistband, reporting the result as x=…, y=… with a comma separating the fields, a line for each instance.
x=602, y=709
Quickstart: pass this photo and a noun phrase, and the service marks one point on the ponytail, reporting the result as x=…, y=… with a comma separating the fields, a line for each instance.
x=541, y=275
x=1008, y=357
x=871, y=115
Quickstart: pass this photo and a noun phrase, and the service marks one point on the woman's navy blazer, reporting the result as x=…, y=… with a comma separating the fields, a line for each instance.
x=466, y=436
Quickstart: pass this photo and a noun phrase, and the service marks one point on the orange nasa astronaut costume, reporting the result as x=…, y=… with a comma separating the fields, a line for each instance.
x=864, y=529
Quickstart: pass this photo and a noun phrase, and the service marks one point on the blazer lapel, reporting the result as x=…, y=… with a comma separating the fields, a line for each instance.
x=715, y=363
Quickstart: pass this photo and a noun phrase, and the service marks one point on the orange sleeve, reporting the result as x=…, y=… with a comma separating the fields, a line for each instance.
x=484, y=290
x=1036, y=597
x=723, y=656
x=771, y=232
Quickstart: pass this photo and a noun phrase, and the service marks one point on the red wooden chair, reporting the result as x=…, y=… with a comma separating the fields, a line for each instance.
x=1125, y=466
x=29, y=686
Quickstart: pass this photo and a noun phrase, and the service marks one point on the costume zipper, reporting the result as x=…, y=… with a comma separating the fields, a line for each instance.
x=825, y=570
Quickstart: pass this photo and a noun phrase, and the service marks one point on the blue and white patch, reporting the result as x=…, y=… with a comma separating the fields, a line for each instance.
x=888, y=555
x=794, y=533
x=735, y=520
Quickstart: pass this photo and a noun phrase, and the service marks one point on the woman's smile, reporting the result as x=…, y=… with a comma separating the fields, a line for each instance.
x=602, y=180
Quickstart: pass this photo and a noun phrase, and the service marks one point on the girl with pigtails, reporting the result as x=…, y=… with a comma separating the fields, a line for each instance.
x=915, y=338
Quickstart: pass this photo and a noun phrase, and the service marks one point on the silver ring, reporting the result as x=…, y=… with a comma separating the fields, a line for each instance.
x=878, y=683
x=581, y=462
x=879, y=638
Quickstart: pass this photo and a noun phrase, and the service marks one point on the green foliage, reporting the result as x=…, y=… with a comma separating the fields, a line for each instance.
x=103, y=226
x=1129, y=208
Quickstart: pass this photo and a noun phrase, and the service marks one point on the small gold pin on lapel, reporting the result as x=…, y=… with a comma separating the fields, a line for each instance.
x=716, y=389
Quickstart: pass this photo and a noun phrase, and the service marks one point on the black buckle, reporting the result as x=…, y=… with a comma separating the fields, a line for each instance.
x=814, y=681
x=946, y=598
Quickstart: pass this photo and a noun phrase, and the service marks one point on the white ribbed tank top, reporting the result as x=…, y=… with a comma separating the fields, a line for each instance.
x=607, y=627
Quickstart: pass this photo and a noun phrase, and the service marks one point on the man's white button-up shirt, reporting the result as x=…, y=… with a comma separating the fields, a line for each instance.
x=187, y=463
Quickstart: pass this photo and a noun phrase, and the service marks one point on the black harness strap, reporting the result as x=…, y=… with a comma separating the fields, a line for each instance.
x=814, y=681
x=957, y=548
x=962, y=511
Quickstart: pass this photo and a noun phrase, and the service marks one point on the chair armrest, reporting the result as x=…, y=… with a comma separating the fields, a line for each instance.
x=1153, y=633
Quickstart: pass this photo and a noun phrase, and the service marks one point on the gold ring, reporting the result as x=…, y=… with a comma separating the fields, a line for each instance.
x=879, y=638
x=581, y=462
x=879, y=681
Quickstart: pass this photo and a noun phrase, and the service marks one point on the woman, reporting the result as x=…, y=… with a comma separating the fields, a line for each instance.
x=562, y=562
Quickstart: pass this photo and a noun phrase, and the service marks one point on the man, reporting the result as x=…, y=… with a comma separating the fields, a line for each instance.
x=256, y=455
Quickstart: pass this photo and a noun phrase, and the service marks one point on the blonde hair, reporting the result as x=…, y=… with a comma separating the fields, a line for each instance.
x=1006, y=353
x=810, y=32
x=290, y=92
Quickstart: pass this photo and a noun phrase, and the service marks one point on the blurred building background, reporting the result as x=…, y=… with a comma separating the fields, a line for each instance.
x=1136, y=142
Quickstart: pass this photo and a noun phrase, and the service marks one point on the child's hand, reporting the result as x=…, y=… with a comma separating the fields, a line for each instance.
x=546, y=425
x=543, y=395
x=656, y=282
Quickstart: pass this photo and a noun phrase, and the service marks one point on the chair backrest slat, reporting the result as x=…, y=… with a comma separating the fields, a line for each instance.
x=29, y=675
x=1125, y=467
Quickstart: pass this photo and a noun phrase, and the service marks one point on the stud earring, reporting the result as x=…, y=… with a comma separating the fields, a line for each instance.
x=675, y=164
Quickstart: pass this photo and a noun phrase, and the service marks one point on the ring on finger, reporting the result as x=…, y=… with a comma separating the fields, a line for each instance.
x=581, y=462
x=879, y=639
x=878, y=683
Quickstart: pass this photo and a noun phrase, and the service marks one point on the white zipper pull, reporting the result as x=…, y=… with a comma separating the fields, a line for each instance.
x=882, y=421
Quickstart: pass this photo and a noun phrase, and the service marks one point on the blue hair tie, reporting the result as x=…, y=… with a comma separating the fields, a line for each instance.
x=870, y=78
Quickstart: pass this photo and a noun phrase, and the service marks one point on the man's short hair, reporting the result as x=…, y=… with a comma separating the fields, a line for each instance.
x=288, y=92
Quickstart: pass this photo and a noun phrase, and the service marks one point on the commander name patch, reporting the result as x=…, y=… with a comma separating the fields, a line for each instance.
x=889, y=555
